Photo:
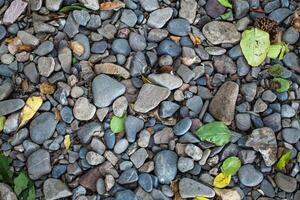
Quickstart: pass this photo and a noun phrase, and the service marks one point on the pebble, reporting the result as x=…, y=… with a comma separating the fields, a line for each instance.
x=149, y=5
x=102, y=96
x=65, y=58
x=38, y=164
x=195, y=104
x=291, y=135
x=28, y=38
x=121, y=146
x=121, y=46
x=291, y=35
x=287, y=111
x=139, y=157
x=132, y=126
x=145, y=181
x=189, y=188
x=128, y=176
x=81, y=17
x=42, y=127
x=94, y=158
x=44, y=48
x=91, y=4
x=185, y=164
x=149, y=97
x=125, y=194
x=6, y=89
x=2, y=32
x=55, y=189
x=166, y=80
x=137, y=42
x=214, y=8
x=222, y=105
x=46, y=66
x=188, y=10
x=100, y=186
x=128, y=17
x=7, y=192
x=99, y=47
x=285, y=183
x=273, y=121
x=87, y=131
x=10, y=106
x=249, y=176
x=280, y=14
x=15, y=9
x=112, y=69
x=164, y=136
x=240, y=8
x=165, y=166
x=182, y=126
x=185, y=73
x=243, y=121
x=83, y=110
x=120, y=106
x=158, y=18
x=168, y=47
x=84, y=41
x=267, y=188
x=167, y=109
x=292, y=61
x=180, y=27
x=218, y=32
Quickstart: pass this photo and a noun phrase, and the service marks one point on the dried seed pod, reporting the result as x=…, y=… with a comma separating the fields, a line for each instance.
x=269, y=26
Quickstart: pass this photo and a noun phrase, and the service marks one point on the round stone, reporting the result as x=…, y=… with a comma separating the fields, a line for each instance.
x=165, y=166
x=179, y=26
x=168, y=47
x=249, y=176
x=83, y=110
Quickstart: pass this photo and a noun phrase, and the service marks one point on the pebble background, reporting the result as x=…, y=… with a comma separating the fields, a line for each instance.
x=140, y=61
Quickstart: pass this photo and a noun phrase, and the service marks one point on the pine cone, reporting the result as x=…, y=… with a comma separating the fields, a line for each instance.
x=267, y=25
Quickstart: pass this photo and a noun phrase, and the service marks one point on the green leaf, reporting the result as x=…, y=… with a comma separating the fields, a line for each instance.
x=225, y=3
x=226, y=16
x=72, y=7
x=117, y=124
x=278, y=51
x=20, y=183
x=255, y=44
x=285, y=158
x=214, y=132
x=6, y=174
x=276, y=70
x=2, y=121
x=283, y=84
x=231, y=165
x=31, y=192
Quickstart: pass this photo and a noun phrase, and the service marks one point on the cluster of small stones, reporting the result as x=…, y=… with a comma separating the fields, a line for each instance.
x=187, y=86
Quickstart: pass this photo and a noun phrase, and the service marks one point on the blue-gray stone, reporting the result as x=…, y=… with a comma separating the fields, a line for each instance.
x=272, y=5
x=2, y=32
x=109, y=139
x=291, y=135
x=287, y=111
x=121, y=46
x=99, y=47
x=249, y=176
x=67, y=114
x=168, y=47
x=240, y=8
x=273, y=121
x=58, y=170
x=128, y=176
x=280, y=14
x=94, y=23
x=84, y=41
x=167, y=109
x=165, y=166
x=179, y=26
x=292, y=61
x=182, y=126
x=125, y=194
x=10, y=106
x=44, y=48
x=267, y=188
x=42, y=127
x=145, y=181
x=86, y=132
x=195, y=104
x=291, y=35
x=132, y=126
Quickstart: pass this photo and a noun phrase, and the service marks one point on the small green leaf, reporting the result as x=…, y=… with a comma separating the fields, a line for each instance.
x=21, y=183
x=283, y=161
x=72, y=7
x=225, y=3
x=283, y=84
x=231, y=165
x=278, y=51
x=255, y=44
x=2, y=121
x=5, y=172
x=276, y=70
x=226, y=16
x=214, y=132
x=117, y=124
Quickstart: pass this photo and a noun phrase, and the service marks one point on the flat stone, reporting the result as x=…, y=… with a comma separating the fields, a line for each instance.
x=185, y=164
x=165, y=166
x=15, y=9
x=137, y=42
x=188, y=10
x=264, y=141
x=81, y=17
x=168, y=47
x=164, y=136
x=139, y=64
x=249, y=176
x=71, y=27
x=149, y=97
x=111, y=69
x=38, y=164
x=218, y=32
x=55, y=189
x=139, y=157
x=167, y=109
x=149, y=5
x=291, y=135
x=6, y=89
x=53, y=5
x=286, y=183
x=65, y=58
x=10, y=106
x=166, y=80
x=182, y=126
x=185, y=73
x=179, y=26
x=44, y=48
x=42, y=127
x=189, y=188
x=224, y=64
x=6, y=192
x=91, y=4
x=87, y=131
x=132, y=126
x=222, y=105
x=94, y=158
x=121, y=146
x=120, y=106
x=106, y=90
x=46, y=66
x=146, y=182
x=128, y=17
x=214, y=9
x=273, y=121
x=280, y=14
x=159, y=17
x=28, y=38
x=84, y=41
x=128, y=176
x=195, y=104
x=125, y=194
x=292, y=61
x=83, y=110
x=121, y=46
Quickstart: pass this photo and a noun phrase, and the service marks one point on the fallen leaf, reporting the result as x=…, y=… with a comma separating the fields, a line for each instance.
x=77, y=48
x=24, y=86
x=145, y=79
x=72, y=7
x=276, y=70
x=231, y=165
x=117, y=124
x=2, y=122
x=195, y=39
x=32, y=105
x=21, y=183
x=13, y=45
x=280, y=85
x=114, y=5
x=175, y=189
x=222, y=180
x=227, y=16
x=278, y=51
x=200, y=198
x=57, y=116
x=255, y=44
x=67, y=142
x=175, y=39
x=284, y=159
x=225, y=3
x=25, y=47
x=47, y=88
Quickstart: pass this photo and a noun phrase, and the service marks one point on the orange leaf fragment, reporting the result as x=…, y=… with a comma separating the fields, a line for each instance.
x=114, y=5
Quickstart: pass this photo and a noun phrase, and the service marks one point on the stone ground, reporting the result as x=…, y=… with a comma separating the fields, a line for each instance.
x=142, y=60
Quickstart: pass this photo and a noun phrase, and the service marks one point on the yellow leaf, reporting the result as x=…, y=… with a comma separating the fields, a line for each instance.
x=222, y=180
x=145, y=79
x=47, y=88
x=195, y=39
x=200, y=198
x=31, y=107
x=67, y=142
x=115, y=5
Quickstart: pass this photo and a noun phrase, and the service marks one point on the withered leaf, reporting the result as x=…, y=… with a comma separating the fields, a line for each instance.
x=114, y=5
x=47, y=88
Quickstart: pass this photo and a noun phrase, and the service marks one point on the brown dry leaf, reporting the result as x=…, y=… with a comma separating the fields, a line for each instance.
x=47, y=88
x=57, y=116
x=195, y=39
x=9, y=39
x=77, y=48
x=166, y=69
x=25, y=47
x=13, y=45
x=175, y=38
x=114, y=5
x=175, y=188
x=31, y=107
x=296, y=21
x=24, y=86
